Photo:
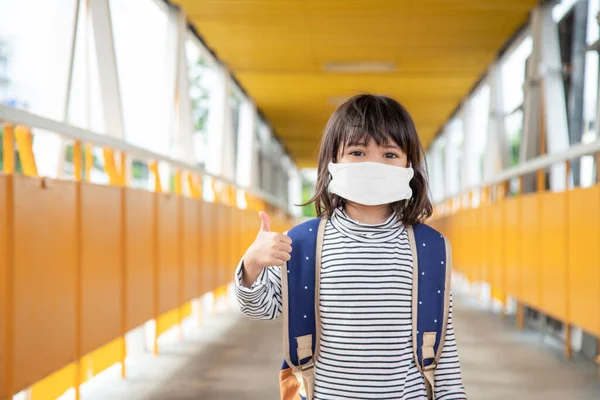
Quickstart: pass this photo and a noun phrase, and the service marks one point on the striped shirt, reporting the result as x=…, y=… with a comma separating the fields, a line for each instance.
x=366, y=316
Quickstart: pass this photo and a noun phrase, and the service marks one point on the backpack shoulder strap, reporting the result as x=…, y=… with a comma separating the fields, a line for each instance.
x=432, y=265
x=300, y=281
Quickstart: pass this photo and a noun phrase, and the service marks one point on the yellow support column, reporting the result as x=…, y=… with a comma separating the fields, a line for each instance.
x=77, y=163
x=157, y=189
x=8, y=143
x=123, y=175
x=124, y=182
x=179, y=192
x=568, y=349
x=195, y=189
x=520, y=306
x=77, y=160
x=218, y=199
x=89, y=162
x=110, y=167
x=25, y=145
x=504, y=294
x=598, y=183
x=7, y=273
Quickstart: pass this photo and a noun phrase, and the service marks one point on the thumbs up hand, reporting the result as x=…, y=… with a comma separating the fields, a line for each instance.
x=269, y=249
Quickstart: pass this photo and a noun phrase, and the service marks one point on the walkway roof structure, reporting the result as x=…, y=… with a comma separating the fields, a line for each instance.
x=299, y=59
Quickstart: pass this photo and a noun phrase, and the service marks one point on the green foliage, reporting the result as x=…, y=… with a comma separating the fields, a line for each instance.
x=97, y=164
x=172, y=183
x=307, y=192
x=139, y=170
x=200, y=95
x=515, y=143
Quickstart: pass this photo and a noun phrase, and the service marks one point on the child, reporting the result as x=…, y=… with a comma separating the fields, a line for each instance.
x=371, y=192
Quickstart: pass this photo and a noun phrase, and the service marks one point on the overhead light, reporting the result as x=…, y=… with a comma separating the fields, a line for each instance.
x=362, y=67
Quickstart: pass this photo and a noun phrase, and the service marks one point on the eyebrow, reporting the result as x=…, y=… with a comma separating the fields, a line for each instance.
x=356, y=145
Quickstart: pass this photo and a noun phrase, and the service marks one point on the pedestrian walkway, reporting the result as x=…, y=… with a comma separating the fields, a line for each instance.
x=234, y=358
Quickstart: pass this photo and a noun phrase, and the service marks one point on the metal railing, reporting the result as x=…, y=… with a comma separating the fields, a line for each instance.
x=535, y=165
x=21, y=117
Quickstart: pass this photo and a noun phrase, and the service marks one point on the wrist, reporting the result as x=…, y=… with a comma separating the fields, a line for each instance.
x=249, y=273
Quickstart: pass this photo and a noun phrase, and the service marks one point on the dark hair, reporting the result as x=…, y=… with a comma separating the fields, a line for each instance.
x=384, y=120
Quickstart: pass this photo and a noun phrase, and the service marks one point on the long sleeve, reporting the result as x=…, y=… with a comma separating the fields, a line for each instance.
x=448, y=380
x=263, y=299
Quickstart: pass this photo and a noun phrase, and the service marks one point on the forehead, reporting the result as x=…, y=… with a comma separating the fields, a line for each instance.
x=369, y=141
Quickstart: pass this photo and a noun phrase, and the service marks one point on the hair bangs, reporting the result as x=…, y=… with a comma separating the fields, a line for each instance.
x=369, y=122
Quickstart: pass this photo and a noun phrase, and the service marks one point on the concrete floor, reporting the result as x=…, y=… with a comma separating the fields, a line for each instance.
x=233, y=358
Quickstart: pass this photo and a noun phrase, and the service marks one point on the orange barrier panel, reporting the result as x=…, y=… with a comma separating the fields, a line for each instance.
x=221, y=225
x=236, y=244
x=45, y=240
x=497, y=251
x=512, y=236
x=8, y=147
x=6, y=271
x=231, y=244
x=139, y=256
x=486, y=244
x=478, y=246
x=462, y=249
x=191, y=270
x=101, y=265
x=542, y=248
x=584, y=258
x=553, y=257
x=531, y=247
x=168, y=252
x=208, y=242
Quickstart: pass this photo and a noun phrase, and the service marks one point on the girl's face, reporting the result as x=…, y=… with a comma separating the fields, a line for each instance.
x=390, y=154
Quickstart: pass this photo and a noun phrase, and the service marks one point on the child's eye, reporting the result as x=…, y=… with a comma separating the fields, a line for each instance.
x=357, y=153
x=390, y=155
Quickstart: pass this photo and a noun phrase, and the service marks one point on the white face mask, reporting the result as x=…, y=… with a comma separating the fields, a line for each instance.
x=370, y=183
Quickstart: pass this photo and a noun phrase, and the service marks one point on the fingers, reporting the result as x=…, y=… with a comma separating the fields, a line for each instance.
x=265, y=225
x=280, y=237
x=282, y=257
x=280, y=246
x=284, y=247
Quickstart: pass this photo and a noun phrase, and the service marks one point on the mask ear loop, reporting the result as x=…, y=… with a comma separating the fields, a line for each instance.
x=339, y=199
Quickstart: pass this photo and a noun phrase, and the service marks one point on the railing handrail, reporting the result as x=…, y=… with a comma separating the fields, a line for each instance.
x=535, y=164
x=22, y=117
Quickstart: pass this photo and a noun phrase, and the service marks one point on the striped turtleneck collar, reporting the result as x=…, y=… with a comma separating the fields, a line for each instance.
x=374, y=233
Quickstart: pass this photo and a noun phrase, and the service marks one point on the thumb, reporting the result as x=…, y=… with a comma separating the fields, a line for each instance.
x=265, y=225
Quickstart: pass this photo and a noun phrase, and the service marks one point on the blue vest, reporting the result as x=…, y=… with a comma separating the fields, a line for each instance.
x=301, y=320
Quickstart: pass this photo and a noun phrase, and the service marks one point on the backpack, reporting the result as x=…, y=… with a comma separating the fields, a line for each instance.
x=300, y=279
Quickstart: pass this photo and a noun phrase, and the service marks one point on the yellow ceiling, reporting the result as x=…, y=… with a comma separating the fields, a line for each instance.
x=278, y=50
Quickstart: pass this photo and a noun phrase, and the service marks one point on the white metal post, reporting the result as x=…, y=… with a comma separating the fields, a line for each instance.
x=256, y=159
x=469, y=161
x=450, y=155
x=436, y=171
x=229, y=135
x=246, y=139
x=107, y=68
x=295, y=190
x=496, y=151
x=216, y=121
x=545, y=84
x=555, y=105
x=183, y=105
x=61, y=154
